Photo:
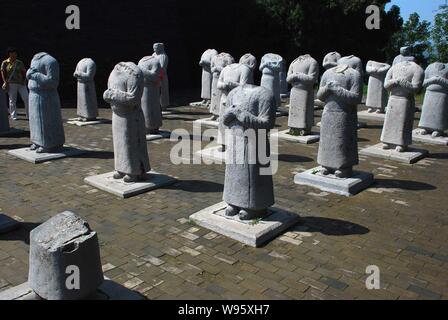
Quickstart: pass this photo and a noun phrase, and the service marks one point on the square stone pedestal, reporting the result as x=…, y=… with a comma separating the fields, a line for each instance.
x=158, y=136
x=252, y=233
x=11, y=132
x=212, y=154
x=78, y=123
x=107, y=183
x=283, y=135
x=412, y=155
x=330, y=183
x=206, y=123
x=108, y=290
x=199, y=104
x=371, y=116
x=34, y=157
x=427, y=138
x=7, y=224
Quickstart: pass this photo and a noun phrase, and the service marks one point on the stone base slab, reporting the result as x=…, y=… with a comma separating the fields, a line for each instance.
x=412, y=155
x=212, y=154
x=365, y=115
x=78, y=123
x=330, y=183
x=108, y=290
x=427, y=138
x=361, y=125
x=107, y=183
x=158, y=136
x=283, y=135
x=252, y=233
x=11, y=132
x=206, y=123
x=34, y=157
x=7, y=224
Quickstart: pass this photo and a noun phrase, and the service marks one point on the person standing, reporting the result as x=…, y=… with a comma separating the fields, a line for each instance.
x=14, y=81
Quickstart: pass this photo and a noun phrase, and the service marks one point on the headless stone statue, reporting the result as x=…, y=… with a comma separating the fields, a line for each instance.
x=151, y=94
x=403, y=81
x=87, y=100
x=232, y=76
x=124, y=93
x=219, y=62
x=47, y=131
x=159, y=52
x=4, y=121
x=331, y=60
x=302, y=75
x=341, y=90
x=207, y=76
x=434, y=117
x=353, y=62
x=376, y=93
x=248, y=190
x=250, y=60
x=405, y=55
x=270, y=66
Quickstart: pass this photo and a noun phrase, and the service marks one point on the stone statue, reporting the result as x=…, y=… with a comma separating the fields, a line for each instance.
x=159, y=52
x=248, y=190
x=124, y=93
x=353, y=62
x=341, y=90
x=232, y=76
x=219, y=62
x=302, y=75
x=434, y=117
x=271, y=65
x=47, y=131
x=207, y=76
x=87, y=100
x=151, y=94
x=4, y=121
x=250, y=60
x=331, y=60
x=405, y=55
x=376, y=93
x=403, y=81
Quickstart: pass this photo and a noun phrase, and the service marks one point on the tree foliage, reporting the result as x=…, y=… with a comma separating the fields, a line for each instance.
x=440, y=35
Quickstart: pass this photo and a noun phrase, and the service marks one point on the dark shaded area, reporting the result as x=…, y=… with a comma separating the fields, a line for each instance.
x=441, y=156
x=403, y=184
x=22, y=233
x=102, y=155
x=13, y=146
x=293, y=158
x=197, y=186
x=114, y=31
x=330, y=227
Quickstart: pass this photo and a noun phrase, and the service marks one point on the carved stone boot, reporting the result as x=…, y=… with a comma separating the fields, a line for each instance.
x=118, y=175
x=34, y=147
x=370, y=110
x=325, y=171
x=422, y=131
x=436, y=134
x=401, y=148
x=232, y=211
x=344, y=173
x=247, y=214
x=130, y=178
x=386, y=146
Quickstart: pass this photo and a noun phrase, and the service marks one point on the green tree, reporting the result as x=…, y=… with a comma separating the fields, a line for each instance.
x=439, y=35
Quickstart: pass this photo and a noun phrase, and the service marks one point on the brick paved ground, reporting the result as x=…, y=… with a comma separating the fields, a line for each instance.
x=148, y=244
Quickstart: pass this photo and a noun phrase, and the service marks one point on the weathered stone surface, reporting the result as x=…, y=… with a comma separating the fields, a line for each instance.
x=403, y=81
x=410, y=156
x=87, y=106
x=330, y=183
x=219, y=62
x=434, y=117
x=160, y=54
x=47, y=131
x=303, y=74
x=252, y=233
x=206, y=122
x=32, y=156
x=150, y=102
x=366, y=115
x=341, y=89
x=331, y=60
x=353, y=62
x=7, y=224
x=79, y=123
x=428, y=138
x=404, y=56
x=376, y=93
x=270, y=66
x=250, y=61
x=284, y=135
x=118, y=187
x=207, y=76
x=124, y=93
x=63, y=241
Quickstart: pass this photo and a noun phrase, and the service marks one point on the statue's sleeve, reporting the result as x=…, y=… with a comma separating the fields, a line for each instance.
x=311, y=77
x=244, y=78
x=417, y=81
x=442, y=81
x=389, y=77
x=384, y=69
x=266, y=116
x=130, y=97
x=50, y=80
x=322, y=93
x=89, y=75
x=354, y=95
x=290, y=78
x=163, y=58
x=369, y=68
x=221, y=85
